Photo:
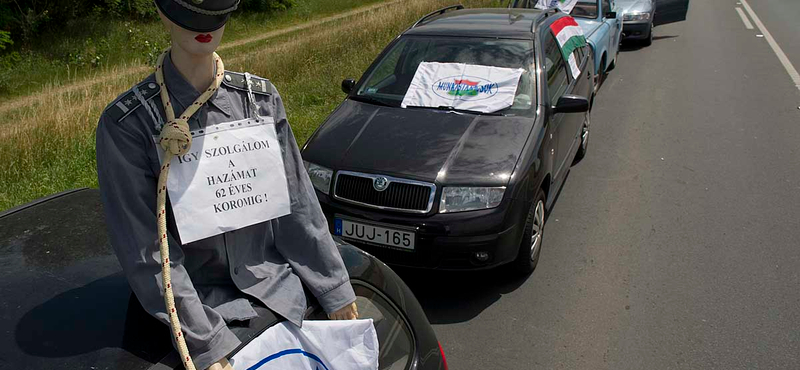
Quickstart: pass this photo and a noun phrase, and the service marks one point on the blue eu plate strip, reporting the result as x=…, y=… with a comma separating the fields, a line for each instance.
x=337, y=226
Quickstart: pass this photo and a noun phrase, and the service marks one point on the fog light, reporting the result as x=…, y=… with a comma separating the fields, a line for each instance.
x=482, y=256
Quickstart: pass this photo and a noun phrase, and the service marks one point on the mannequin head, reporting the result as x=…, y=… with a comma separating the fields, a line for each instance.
x=194, y=44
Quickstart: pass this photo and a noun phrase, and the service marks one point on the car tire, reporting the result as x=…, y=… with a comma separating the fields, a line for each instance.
x=649, y=40
x=600, y=76
x=531, y=245
x=613, y=62
x=582, y=147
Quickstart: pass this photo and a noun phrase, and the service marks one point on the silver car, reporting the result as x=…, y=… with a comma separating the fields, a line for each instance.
x=639, y=17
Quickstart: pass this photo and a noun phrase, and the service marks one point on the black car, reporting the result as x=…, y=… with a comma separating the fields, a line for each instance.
x=449, y=189
x=65, y=303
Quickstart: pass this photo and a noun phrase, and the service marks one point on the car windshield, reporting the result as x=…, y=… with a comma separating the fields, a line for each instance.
x=585, y=9
x=390, y=78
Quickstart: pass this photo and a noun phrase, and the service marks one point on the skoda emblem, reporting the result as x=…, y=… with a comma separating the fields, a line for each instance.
x=380, y=183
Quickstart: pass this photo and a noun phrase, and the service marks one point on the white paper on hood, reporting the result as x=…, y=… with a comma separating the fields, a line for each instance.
x=463, y=86
x=562, y=5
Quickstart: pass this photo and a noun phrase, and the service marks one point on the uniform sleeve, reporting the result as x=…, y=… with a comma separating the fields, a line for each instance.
x=303, y=237
x=127, y=188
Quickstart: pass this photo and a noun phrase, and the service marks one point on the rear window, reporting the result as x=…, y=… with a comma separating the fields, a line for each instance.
x=394, y=335
x=585, y=9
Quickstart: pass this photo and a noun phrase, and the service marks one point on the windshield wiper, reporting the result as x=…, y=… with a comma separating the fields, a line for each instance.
x=454, y=109
x=371, y=100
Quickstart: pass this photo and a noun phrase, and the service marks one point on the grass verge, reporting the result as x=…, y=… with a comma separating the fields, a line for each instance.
x=93, y=45
x=48, y=146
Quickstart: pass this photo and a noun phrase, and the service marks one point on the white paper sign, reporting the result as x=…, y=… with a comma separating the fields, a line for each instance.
x=232, y=177
x=318, y=345
x=562, y=5
x=462, y=86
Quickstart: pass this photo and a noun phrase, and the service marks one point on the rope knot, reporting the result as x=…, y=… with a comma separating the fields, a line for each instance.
x=175, y=137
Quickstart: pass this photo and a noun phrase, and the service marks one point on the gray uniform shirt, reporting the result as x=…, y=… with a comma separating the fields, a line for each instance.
x=213, y=278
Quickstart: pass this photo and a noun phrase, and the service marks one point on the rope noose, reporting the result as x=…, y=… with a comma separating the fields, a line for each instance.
x=176, y=139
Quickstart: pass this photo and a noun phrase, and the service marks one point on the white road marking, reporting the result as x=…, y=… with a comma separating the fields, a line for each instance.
x=775, y=47
x=746, y=21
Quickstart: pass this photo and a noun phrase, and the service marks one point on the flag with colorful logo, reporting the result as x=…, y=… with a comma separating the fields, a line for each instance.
x=562, y=5
x=570, y=37
x=473, y=87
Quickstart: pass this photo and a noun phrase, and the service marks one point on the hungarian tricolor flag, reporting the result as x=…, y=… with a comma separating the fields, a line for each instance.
x=570, y=37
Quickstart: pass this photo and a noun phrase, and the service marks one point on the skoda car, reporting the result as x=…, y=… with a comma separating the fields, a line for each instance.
x=444, y=188
x=65, y=303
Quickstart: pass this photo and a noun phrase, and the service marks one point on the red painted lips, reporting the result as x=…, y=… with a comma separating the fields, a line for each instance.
x=204, y=38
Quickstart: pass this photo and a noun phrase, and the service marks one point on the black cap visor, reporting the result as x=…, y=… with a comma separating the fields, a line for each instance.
x=190, y=20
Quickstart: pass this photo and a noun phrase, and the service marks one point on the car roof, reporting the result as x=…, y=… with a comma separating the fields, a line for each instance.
x=500, y=22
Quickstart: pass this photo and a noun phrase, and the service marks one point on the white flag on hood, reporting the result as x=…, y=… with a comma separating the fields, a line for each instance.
x=318, y=345
x=462, y=86
x=562, y=5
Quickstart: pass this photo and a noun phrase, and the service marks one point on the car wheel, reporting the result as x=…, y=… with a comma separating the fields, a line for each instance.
x=649, y=40
x=613, y=63
x=599, y=77
x=584, y=139
x=531, y=245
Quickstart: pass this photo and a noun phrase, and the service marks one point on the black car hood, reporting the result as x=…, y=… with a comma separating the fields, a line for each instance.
x=422, y=144
x=65, y=303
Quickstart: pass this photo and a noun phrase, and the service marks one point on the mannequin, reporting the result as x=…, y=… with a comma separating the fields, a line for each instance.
x=229, y=277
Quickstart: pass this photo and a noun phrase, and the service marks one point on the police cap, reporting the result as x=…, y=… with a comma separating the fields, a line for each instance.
x=198, y=15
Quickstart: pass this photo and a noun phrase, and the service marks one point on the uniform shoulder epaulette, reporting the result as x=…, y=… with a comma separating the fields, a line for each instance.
x=127, y=102
x=237, y=81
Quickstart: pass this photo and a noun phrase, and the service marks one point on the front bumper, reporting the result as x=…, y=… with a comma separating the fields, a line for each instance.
x=636, y=31
x=443, y=241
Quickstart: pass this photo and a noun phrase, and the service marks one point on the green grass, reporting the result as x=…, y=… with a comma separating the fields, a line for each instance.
x=56, y=151
x=86, y=47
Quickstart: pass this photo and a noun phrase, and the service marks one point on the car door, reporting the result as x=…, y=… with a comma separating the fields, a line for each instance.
x=615, y=26
x=557, y=83
x=670, y=11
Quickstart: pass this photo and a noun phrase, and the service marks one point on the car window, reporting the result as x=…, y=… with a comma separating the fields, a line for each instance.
x=606, y=6
x=394, y=336
x=578, y=55
x=585, y=9
x=555, y=69
x=391, y=76
x=523, y=4
x=384, y=75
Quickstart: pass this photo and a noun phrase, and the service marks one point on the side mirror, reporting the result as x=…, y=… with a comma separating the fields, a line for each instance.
x=571, y=104
x=611, y=15
x=347, y=85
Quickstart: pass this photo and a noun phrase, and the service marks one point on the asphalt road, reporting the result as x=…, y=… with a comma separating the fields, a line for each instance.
x=675, y=244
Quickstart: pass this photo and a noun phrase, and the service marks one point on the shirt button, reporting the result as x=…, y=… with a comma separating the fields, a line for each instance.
x=236, y=270
x=228, y=78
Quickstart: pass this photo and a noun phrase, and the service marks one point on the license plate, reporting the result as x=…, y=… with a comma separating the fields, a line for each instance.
x=373, y=234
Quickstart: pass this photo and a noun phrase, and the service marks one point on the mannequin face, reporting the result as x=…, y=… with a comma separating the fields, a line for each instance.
x=193, y=43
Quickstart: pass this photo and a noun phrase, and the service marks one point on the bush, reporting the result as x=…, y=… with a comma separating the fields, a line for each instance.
x=5, y=39
x=28, y=18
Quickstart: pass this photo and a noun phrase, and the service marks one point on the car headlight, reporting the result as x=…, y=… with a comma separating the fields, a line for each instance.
x=320, y=176
x=636, y=16
x=460, y=199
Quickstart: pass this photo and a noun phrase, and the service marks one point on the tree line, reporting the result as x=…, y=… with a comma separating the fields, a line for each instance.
x=22, y=20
